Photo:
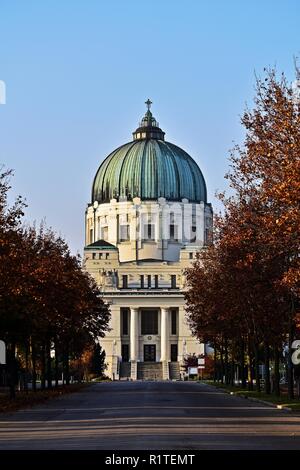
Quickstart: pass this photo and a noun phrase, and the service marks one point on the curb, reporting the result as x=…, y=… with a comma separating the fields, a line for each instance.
x=257, y=400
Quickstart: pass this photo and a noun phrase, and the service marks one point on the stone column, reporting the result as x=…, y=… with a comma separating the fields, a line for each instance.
x=164, y=333
x=134, y=333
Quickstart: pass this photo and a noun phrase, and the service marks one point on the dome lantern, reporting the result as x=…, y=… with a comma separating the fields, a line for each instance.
x=148, y=127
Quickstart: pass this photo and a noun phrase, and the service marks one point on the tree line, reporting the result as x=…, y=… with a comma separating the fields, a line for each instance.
x=243, y=289
x=51, y=311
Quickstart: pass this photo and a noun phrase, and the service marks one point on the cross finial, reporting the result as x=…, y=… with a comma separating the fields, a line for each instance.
x=148, y=104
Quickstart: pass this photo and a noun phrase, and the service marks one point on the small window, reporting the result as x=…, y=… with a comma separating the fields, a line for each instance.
x=91, y=235
x=125, y=318
x=173, y=232
x=156, y=281
x=193, y=233
x=104, y=233
x=100, y=255
x=106, y=255
x=173, y=281
x=125, y=281
x=149, y=280
x=149, y=232
x=124, y=233
x=142, y=281
x=94, y=255
x=191, y=255
x=174, y=322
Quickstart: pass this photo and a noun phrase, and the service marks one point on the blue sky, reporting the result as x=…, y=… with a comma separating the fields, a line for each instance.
x=78, y=72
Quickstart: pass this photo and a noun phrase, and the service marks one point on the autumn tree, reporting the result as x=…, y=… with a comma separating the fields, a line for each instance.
x=244, y=291
x=48, y=304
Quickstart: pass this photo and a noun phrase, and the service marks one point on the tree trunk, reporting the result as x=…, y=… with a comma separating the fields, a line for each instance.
x=290, y=367
x=48, y=361
x=257, y=377
x=12, y=370
x=267, y=369
x=250, y=366
x=232, y=372
x=226, y=362
x=56, y=366
x=215, y=363
x=243, y=375
x=276, y=371
x=67, y=367
x=26, y=366
x=222, y=363
x=33, y=359
x=43, y=367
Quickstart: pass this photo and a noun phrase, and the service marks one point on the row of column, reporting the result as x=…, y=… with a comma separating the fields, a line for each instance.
x=134, y=333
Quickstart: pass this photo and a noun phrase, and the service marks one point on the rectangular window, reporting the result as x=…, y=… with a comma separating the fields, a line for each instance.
x=173, y=281
x=125, y=318
x=173, y=322
x=193, y=233
x=149, y=322
x=142, y=281
x=149, y=232
x=94, y=255
x=91, y=235
x=173, y=232
x=124, y=281
x=124, y=233
x=106, y=255
x=149, y=280
x=104, y=233
x=156, y=281
x=191, y=255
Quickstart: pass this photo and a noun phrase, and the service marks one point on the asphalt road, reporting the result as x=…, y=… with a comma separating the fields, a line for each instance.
x=150, y=415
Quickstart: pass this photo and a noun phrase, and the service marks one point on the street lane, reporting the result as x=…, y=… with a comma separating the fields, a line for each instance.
x=150, y=415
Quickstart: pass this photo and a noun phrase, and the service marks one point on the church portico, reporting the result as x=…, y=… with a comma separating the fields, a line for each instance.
x=147, y=219
x=146, y=326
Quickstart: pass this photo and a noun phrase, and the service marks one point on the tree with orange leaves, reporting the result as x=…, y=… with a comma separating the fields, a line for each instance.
x=249, y=280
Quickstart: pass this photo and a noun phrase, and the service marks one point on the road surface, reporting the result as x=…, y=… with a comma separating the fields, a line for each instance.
x=150, y=416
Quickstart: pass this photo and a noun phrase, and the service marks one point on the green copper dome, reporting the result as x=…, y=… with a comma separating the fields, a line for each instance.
x=149, y=167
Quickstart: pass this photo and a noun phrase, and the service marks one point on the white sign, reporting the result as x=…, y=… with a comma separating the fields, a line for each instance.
x=296, y=354
x=201, y=361
x=2, y=92
x=2, y=353
x=193, y=370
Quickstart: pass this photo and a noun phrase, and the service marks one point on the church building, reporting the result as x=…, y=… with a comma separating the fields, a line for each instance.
x=147, y=218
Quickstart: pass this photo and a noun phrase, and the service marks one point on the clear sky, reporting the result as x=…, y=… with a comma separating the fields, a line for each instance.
x=77, y=73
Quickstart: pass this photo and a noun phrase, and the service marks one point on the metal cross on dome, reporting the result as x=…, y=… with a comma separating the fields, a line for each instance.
x=148, y=104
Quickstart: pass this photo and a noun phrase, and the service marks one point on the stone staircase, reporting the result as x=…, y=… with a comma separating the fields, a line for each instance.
x=174, y=371
x=125, y=370
x=149, y=371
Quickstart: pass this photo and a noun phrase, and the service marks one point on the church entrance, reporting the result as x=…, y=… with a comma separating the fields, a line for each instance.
x=174, y=353
x=149, y=353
